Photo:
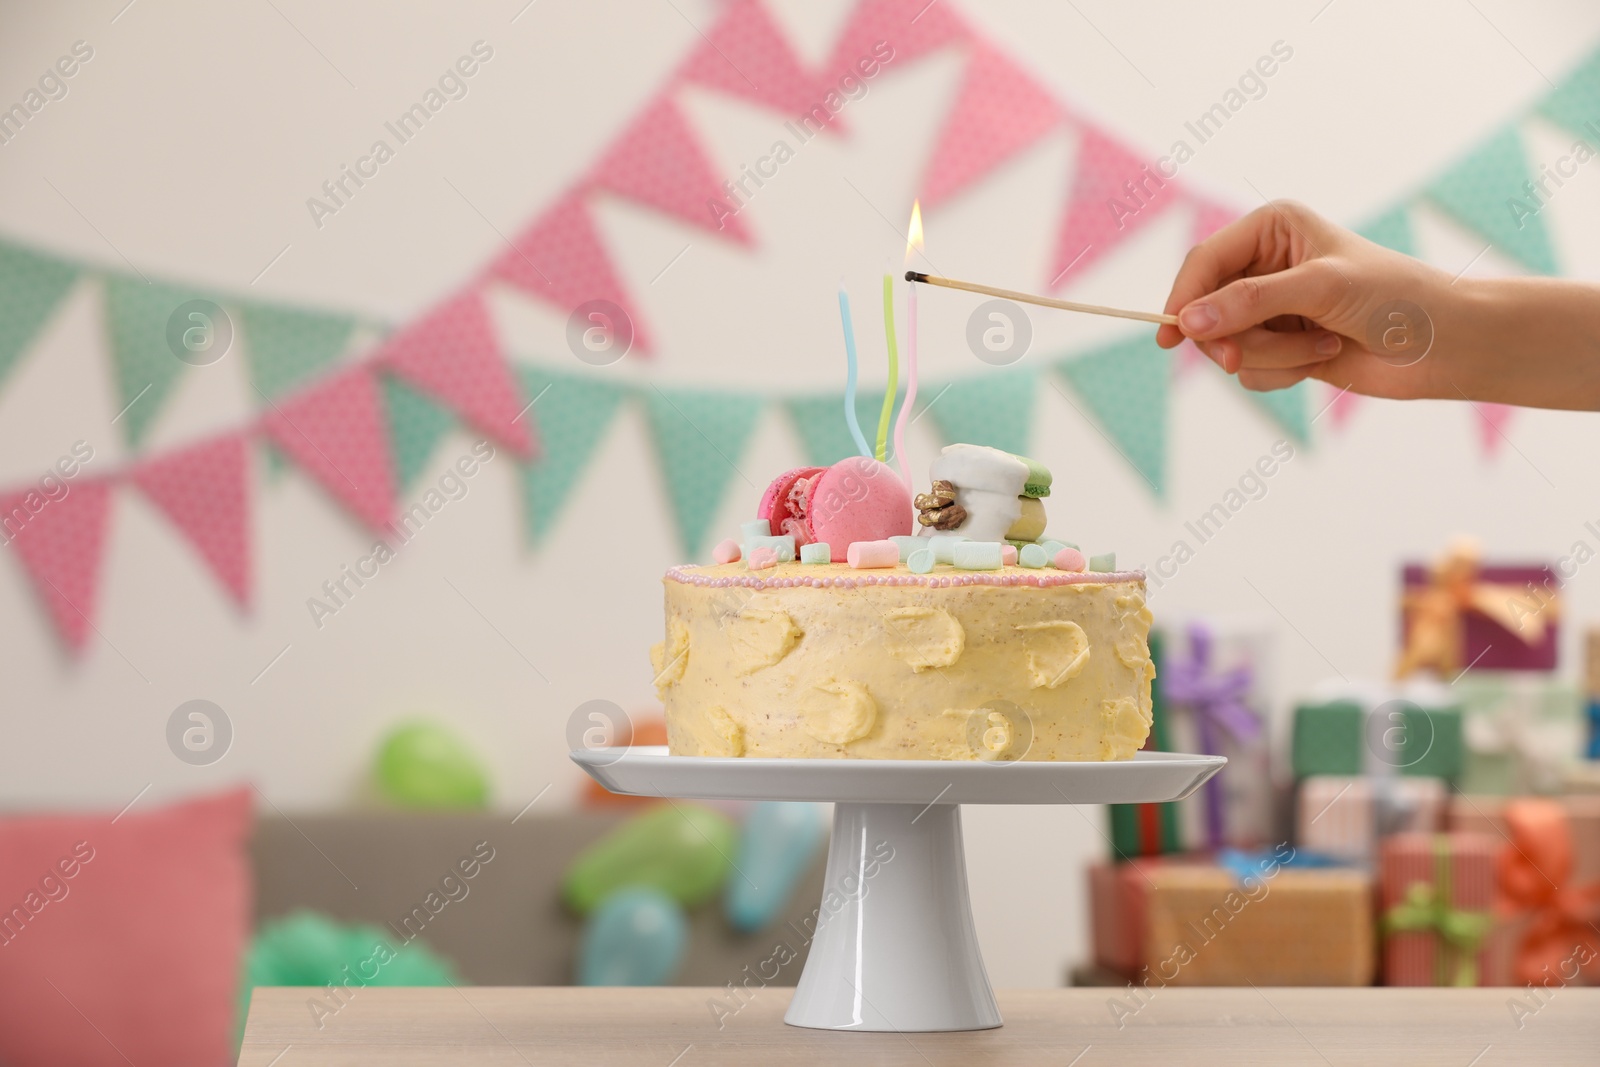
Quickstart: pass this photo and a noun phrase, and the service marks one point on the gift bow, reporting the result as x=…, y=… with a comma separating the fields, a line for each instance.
x=1434, y=619
x=1427, y=908
x=1534, y=869
x=1218, y=701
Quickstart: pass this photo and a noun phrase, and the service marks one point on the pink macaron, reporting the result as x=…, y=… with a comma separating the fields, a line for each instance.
x=856, y=499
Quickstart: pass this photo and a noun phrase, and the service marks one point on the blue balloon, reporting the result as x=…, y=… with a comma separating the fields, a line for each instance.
x=635, y=936
x=776, y=847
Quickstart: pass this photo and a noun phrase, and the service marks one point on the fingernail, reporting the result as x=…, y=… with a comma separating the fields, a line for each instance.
x=1198, y=318
x=1329, y=344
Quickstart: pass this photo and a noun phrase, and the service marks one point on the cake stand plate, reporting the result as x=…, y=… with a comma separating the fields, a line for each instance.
x=893, y=947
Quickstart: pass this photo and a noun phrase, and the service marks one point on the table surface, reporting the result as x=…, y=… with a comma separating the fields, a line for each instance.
x=691, y=1027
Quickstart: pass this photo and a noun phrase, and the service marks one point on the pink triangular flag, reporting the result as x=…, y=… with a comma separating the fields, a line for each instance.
x=1492, y=419
x=204, y=490
x=60, y=543
x=1209, y=218
x=1342, y=407
x=1113, y=194
x=452, y=354
x=747, y=55
x=998, y=112
x=658, y=161
x=559, y=258
x=892, y=33
x=337, y=433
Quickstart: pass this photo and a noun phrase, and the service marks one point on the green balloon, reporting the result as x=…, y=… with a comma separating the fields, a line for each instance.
x=424, y=765
x=681, y=849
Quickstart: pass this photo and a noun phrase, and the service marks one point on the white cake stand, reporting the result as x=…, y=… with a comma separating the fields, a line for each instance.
x=894, y=947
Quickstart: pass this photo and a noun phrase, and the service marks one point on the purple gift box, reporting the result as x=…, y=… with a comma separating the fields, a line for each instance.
x=1488, y=645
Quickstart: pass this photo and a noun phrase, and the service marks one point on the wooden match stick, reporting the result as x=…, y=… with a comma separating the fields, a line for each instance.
x=1043, y=301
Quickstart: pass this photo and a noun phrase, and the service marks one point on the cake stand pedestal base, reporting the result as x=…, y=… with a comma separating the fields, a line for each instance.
x=893, y=946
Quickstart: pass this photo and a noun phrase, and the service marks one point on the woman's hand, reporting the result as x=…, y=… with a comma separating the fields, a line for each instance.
x=1282, y=294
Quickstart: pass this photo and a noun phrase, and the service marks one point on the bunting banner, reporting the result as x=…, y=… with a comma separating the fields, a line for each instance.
x=31, y=285
x=747, y=56
x=1114, y=194
x=336, y=433
x=574, y=414
x=1125, y=388
x=364, y=421
x=204, y=489
x=61, y=544
x=994, y=408
x=452, y=354
x=999, y=111
x=699, y=438
x=658, y=161
x=559, y=258
x=287, y=347
x=415, y=424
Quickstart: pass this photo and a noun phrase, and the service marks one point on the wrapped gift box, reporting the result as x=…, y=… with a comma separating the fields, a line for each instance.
x=1148, y=829
x=1521, y=732
x=1416, y=730
x=1437, y=898
x=1491, y=605
x=1257, y=920
x=1548, y=899
x=1290, y=927
x=1346, y=817
x=1214, y=681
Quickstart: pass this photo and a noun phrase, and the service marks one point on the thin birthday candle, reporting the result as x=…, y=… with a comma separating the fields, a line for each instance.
x=911, y=387
x=894, y=367
x=850, y=375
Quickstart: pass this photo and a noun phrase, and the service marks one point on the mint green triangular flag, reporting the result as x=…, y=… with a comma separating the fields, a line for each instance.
x=1392, y=229
x=1288, y=408
x=572, y=414
x=1125, y=386
x=136, y=314
x=1574, y=105
x=1485, y=193
x=824, y=433
x=699, y=439
x=31, y=285
x=288, y=345
x=416, y=424
x=994, y=408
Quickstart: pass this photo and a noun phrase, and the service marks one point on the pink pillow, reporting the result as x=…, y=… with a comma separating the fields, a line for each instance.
x=123, y=941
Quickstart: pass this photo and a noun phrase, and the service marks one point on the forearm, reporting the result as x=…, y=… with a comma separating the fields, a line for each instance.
x=1528, y=341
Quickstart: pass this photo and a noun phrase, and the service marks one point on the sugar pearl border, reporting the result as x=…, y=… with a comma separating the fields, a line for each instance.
x=947, y=580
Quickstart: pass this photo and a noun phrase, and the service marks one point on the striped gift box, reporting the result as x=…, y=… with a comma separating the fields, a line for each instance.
x=1345, y=818
x=1437, y=900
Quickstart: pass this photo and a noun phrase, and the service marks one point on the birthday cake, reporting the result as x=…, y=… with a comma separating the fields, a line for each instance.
x=830, y=630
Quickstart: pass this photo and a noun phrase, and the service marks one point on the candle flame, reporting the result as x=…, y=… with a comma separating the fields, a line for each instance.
x=914, y=230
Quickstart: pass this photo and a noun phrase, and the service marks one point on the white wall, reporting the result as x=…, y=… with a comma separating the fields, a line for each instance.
x=190, y=142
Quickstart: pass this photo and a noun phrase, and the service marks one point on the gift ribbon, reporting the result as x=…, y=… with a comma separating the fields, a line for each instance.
x=1434, y=614
x=1217, y=701
x=1460, y=931
x=1534, y=869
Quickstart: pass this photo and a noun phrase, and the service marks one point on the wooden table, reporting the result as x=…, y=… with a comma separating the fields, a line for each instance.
x=677, y=1027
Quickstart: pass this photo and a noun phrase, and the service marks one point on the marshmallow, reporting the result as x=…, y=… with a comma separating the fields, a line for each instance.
x=783, y=545
x=1008, y=555
x=749, y=531
x=1105, y=561
x=921, y=561
x=864, y=555
x=760, y=559
x=816, y=552
x=908, y=545
x=1069, y=559
x=1033, y=556
x=727, y=551
x=978, y=556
